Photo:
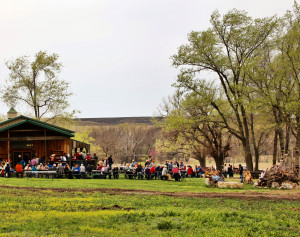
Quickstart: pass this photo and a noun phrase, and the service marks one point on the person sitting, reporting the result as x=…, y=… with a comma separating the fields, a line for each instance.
x=89, y=169
x=28, y=168
x=181, y=166
x=19, y=170
x=99, y=166
x=147, y=172
x=68, y=171
x=199, y=172
x=158, y=171
x=102, y=169
x=23, y=163
x=82, y=170
x=153, y=172
x=190, y=171
x=176, y=173
x=76, y=171
x=34, y=170
x=165, y=173
x=53, y=167
x=139, y=172
x=60, y=170
x=262, y=174
x=216, y=177
x=115, y=171
x=106, y=169
x=7, y=170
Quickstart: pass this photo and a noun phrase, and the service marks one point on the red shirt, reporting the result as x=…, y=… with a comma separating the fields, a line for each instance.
x=19, y=168
x=152, y=170
x=190, y=171
x=175, y=171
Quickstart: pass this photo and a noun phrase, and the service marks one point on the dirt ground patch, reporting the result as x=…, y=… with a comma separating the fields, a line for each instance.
x=247, y=195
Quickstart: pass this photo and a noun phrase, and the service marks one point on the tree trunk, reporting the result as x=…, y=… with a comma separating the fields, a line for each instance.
x=202, y=162
x=219, y=162
x=256, y=153
x=248, y=155
x=281, y=141
x=275, y=144
x=287, y=139
x=201, y=159
x=297, y=152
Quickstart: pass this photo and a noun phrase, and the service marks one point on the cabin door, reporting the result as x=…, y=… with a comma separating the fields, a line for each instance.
x=26, y=155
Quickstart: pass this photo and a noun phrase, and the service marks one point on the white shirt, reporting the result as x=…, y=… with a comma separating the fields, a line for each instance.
x=82, y=168
x=164, y=171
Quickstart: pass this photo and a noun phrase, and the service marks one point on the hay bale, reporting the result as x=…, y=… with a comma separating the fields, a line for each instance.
x=286, y=185
x=275, y=185
x=230, y=185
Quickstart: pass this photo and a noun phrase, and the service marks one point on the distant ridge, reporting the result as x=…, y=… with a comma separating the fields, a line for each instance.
x=118, y=120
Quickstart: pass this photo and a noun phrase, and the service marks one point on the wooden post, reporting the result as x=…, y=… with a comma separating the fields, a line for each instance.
x=45, y=135
x=8, y=146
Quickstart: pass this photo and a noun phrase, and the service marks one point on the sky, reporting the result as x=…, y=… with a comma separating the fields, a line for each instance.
x=116, y=54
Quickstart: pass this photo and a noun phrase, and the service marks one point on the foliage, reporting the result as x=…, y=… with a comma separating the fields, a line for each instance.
x=83, y=135
x=35, y=85
x=256, y=65
x=194, y=127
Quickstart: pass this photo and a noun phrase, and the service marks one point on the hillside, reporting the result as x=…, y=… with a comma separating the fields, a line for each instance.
x=117, y=120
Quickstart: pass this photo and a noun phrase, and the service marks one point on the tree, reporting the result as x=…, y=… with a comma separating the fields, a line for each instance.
x=225, y=49
x=35, y=85
x=289, y=48
x=194, y=125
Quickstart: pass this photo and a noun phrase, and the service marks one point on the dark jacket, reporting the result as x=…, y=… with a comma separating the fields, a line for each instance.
x=110, y=161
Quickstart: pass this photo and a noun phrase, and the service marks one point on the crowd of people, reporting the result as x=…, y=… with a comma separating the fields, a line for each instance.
x=149, y=169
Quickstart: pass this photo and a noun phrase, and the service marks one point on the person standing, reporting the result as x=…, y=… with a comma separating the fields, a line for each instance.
x=241, y=169
x=225, y=171
x=110, y=161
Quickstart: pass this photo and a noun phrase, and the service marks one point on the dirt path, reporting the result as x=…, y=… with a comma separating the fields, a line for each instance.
x=247, y=195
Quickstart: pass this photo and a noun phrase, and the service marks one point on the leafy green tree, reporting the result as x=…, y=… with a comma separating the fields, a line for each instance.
x=225, y=50
x=195, y=126
x=35, y=85
x=289, y=47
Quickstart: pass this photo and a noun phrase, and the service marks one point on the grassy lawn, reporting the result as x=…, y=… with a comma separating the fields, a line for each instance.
x=83, y=213
x=188, y=185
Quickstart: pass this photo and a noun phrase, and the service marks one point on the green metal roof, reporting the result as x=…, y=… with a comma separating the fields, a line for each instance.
x=64, y=131
x=81, y=142
x=12, y=111
x=41, y=123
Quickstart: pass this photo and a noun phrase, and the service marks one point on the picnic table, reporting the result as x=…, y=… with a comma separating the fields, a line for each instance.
x=100, y=174
x=42, y=172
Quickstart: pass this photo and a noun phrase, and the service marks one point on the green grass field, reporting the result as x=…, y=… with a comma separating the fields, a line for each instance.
x=73, y=208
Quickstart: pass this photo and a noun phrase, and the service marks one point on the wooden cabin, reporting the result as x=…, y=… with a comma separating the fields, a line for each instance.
x=28, y=138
